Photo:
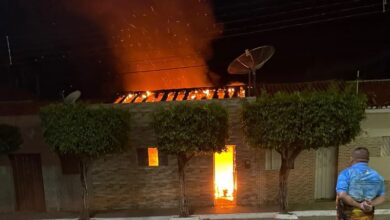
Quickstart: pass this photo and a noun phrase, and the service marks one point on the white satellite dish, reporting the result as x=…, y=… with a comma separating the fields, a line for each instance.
x=249, y=62
x=72, y=97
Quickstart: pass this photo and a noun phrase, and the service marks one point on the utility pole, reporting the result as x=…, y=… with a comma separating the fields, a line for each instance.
x=357, y=82
x=10, y=63
x=9, y=50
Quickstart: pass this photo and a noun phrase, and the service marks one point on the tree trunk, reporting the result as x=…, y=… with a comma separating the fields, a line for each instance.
x=182, y=160
x=283, y=177
x=83, y=177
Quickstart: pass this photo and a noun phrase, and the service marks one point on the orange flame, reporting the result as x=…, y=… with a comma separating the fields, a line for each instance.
x=224, y=184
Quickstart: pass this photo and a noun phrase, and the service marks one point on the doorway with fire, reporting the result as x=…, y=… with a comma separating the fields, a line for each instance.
x=225, y=184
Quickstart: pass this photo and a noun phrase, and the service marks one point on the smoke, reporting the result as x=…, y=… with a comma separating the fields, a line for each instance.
x=157, y=44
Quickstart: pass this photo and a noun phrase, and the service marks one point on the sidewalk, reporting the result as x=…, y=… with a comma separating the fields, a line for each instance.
x=313, y=211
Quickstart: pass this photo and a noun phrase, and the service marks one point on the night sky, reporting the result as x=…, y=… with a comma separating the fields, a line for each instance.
x=101, y=47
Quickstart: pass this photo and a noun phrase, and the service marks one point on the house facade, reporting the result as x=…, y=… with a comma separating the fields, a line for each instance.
x=142, y=177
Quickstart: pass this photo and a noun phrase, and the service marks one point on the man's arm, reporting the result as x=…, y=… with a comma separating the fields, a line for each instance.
x=348, y=199
x=381, y=198
x=378, y=200
x=342, y=188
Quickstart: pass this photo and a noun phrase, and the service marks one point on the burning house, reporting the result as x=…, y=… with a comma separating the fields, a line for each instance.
x=143, y=177
x=161, y=61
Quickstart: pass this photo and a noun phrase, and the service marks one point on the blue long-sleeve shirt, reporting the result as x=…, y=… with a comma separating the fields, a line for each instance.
x=361, y=182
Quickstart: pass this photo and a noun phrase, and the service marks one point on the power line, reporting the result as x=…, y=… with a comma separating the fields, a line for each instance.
x=243, y=31
x=254, y=32
x=248, y=33
x=283, y=13
x=163, y=69
x=297, y=24
x=254, y=9
x=322, y=14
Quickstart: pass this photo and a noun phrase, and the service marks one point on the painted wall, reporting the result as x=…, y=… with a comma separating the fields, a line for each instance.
x=58, y=194
x=377, y=123
x=381, y=164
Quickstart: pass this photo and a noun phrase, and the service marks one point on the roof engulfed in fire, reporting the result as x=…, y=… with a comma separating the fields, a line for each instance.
x=182, y=94
x=375, y=90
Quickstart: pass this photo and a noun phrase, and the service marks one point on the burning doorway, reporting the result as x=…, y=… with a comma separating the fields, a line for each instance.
x=225, y=177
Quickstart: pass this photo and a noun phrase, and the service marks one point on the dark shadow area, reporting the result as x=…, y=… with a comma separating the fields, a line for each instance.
x=308, y=48
x=54, y=51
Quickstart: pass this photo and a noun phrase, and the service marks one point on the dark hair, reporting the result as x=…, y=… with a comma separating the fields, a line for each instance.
x=361, y=154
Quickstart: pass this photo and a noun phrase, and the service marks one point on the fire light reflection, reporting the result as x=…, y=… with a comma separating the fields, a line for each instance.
x=224, y=181
x=153, y=157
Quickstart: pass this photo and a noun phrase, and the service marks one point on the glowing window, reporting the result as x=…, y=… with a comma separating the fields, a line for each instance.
x=153, y=157
x=150, y=157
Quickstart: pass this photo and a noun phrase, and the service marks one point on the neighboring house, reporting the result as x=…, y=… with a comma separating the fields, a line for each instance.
x=142, y=177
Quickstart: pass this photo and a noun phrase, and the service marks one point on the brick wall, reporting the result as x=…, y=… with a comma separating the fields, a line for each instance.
x=373, y=144
x=247, y=159
x=300, y=183
x=118, y=182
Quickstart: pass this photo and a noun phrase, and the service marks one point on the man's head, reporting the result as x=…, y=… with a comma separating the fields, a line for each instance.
x=360, y=154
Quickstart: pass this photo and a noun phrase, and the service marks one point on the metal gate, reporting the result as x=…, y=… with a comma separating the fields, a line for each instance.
x=28, y=181
x=325, y=173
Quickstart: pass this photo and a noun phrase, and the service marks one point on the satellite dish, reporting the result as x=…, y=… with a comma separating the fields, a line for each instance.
x=72, y=97
x=250, y=61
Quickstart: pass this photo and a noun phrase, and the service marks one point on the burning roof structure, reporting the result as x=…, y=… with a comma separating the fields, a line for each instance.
x=182, y=94
x=375, y=90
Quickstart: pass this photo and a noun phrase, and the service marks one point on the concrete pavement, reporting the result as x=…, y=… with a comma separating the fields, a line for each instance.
x=313, y=211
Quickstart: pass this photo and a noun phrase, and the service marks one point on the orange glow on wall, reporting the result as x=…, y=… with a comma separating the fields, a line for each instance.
x=153, y=156
x=224, y=176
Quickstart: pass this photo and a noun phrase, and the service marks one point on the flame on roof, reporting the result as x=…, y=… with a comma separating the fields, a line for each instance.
x=182, y=95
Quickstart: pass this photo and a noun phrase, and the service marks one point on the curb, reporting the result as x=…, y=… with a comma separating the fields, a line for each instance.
x=317, y=213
